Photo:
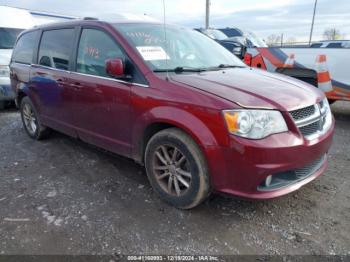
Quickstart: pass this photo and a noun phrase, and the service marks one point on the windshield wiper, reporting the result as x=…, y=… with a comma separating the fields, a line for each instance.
x=223, y=66
x=229, y=66
x=180, y=69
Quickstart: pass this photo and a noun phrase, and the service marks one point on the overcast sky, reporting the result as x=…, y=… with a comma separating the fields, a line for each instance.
x=265, y=17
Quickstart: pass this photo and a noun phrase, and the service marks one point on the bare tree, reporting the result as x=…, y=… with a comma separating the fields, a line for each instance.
x=332, y=34
x=291, y=41
x=273, y=40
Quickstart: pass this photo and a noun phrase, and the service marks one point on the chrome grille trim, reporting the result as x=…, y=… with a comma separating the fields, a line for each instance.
x=308, y=116
x=310, y=120
x=303, y=113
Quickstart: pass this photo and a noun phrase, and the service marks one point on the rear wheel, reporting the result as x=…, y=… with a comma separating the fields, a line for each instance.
x=177, y=169
x=30, y=120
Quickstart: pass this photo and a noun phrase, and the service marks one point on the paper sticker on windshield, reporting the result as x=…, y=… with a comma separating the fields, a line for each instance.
x=150, y=53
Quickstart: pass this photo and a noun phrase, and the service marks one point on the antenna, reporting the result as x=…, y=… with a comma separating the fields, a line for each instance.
x=166, y=42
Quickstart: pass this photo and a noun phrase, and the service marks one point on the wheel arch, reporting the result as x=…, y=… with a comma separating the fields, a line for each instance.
x=163, y=118
x=21, y=92
x=20, y=95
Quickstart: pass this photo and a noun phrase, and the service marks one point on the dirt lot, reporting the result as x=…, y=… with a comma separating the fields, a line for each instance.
x=61, y=196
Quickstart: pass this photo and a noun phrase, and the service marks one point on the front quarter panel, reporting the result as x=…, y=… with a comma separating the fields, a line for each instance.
x=177, y=117
x=197, y=114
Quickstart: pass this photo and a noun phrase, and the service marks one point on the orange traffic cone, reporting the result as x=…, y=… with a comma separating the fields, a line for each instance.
x=289, y=63
x=323, y=76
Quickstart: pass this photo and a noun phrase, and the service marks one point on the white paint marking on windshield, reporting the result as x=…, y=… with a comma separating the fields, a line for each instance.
x=151, y=53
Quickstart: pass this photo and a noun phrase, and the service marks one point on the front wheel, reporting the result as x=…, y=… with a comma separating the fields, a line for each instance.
x=176, y=169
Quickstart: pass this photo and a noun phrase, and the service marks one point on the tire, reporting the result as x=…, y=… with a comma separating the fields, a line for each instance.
x=31, y=122
x=2, y=105
x=182, y=164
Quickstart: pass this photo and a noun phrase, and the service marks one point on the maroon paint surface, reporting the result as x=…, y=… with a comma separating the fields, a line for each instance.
x=114, y=115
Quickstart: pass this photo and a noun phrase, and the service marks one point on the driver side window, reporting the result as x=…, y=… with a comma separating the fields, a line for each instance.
x=95, y=47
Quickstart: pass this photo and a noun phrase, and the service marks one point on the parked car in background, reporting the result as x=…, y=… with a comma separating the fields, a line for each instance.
x=231, y=31
x=250, y=39
x=195, y=115
x=332, y=44
x=324, y=68
x=12, y=22
x=237, y=46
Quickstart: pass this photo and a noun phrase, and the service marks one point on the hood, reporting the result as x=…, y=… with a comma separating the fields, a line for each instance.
x=253, y=88
x=5, y=56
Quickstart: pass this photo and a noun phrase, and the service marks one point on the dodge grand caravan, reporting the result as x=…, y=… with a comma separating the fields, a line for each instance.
x=176, y=101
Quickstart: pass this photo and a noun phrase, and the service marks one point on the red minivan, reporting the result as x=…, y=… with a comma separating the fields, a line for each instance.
x=176, y=101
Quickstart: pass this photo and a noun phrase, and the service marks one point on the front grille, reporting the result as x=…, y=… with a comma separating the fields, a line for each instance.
x=310, y=120
x=310, y=129
x=288, y=178
x=303, y=113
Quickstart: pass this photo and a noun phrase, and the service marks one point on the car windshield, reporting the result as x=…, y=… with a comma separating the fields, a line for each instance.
x=256, y=41
x=215, y=34
x=8, y=37
x=184, y=48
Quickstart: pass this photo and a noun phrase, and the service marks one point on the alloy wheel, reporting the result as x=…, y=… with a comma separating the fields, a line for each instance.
x=29, y=119
x=171, y=169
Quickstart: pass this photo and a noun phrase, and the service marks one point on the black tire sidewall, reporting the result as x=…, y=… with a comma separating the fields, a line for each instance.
x=191, y=195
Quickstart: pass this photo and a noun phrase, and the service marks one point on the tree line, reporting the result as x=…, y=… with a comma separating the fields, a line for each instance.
x=328, y=34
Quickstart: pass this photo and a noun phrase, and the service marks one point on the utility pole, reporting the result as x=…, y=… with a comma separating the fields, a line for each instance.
x=312, y=24
x=282, y=36
x=207, y=14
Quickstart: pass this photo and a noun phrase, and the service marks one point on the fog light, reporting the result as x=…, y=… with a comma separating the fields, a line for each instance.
x=268, y=181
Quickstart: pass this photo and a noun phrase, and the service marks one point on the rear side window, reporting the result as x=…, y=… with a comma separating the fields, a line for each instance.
x=317, y=45
x=8, y=37
x=95, y=48
x=25, y=47
x=334, y=45
x=55, y=48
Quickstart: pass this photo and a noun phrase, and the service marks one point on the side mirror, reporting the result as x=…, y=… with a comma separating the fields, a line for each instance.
x=115, y=67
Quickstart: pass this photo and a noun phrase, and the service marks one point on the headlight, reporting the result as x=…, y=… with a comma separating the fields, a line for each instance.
x=326, y=112
x=254, y=124
x=4, y=71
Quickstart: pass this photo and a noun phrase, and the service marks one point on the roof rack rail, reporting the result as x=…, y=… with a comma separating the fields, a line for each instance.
x=90, y=18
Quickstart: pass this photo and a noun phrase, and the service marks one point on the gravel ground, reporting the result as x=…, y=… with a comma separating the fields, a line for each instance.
x=61, y=196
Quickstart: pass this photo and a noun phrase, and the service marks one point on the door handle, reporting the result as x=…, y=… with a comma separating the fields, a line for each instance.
x=76, y=85
x=41, y=73
x=60, y=82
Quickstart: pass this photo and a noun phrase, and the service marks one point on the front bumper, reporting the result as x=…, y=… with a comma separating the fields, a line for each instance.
x=242, y=168
x=6, y=93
